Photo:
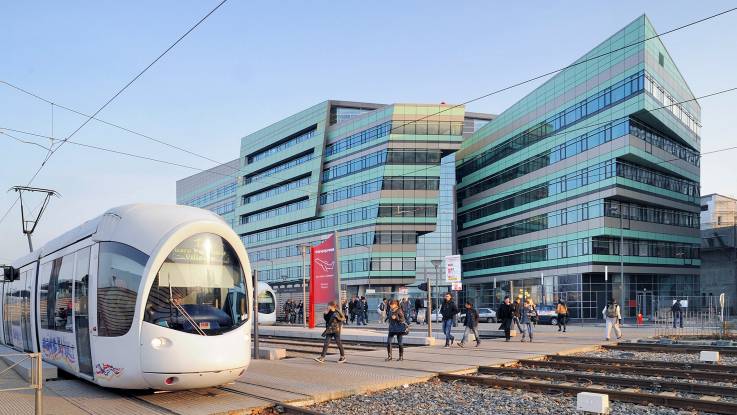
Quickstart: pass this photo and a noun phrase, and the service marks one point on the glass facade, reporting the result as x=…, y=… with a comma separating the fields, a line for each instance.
x=599, y=164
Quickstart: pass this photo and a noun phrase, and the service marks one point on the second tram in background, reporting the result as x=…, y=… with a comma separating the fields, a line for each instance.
x=266, y=304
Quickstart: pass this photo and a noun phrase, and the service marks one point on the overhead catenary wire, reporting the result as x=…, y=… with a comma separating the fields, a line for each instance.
x=409, y=122
x=115, y=96
x=360, y=197
x=580, y=62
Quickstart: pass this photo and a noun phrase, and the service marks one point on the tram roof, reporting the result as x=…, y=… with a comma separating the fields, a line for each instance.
x=139, y=225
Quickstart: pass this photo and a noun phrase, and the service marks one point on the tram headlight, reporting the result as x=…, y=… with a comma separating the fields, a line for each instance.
x=160, y=342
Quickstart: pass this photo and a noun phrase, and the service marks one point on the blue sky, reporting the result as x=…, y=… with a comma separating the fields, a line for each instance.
x=253, y=63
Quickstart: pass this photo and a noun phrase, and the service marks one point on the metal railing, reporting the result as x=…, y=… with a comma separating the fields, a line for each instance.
x=710, y=319
x=36, y=377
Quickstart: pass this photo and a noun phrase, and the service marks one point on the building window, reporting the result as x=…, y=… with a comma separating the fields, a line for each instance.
x=288, y=164
x=282, y=145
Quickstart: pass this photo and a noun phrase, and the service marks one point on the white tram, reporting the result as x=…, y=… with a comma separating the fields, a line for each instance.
x=144, y=296
x=266, y=304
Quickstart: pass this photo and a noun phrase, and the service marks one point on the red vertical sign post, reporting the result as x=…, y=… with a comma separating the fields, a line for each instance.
x=323, y=274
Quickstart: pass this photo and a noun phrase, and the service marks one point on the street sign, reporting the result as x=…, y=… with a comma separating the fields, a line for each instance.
x=403, y=290
x=457, y=286
x=370, y=291
x=453, y=268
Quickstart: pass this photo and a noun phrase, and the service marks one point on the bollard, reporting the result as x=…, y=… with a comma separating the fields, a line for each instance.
x=597, y=403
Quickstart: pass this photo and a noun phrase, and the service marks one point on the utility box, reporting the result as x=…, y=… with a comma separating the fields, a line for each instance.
x=597, y=403
x=708, y=356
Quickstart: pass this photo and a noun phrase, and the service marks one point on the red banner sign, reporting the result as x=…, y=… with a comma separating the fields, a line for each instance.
x=323, y=274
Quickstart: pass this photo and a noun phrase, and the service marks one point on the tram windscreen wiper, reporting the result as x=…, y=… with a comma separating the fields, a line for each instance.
x=184, y=312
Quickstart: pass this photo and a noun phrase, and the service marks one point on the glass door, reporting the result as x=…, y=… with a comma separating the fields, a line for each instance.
x=81, y=310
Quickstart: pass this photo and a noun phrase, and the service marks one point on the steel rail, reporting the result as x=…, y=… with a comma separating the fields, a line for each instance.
x=645, y=363
x=287, y=408
x=653, y=384
x=674, y=348
x=617, y=395
x=632, y=370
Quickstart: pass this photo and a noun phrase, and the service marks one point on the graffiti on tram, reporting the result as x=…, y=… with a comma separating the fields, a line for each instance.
x=57, y=350
x=107, y=371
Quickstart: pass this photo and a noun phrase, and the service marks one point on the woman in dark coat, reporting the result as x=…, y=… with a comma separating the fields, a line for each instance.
x=397, y=327
x=505, y=313
x=334, y=319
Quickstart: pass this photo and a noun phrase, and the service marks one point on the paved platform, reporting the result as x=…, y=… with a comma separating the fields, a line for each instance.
x=302, y=381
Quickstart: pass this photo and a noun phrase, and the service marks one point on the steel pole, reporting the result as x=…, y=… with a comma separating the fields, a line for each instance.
x=304, y=288
x=429, y=306
x=255, y=315
x=39, y=409
x=621, y=255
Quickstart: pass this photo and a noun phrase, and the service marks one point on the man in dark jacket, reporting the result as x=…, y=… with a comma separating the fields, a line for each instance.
x=448, y=310
x=504, y=314
x=516, y=313
x=677, y=313
x=364, y=310
x=471, y=321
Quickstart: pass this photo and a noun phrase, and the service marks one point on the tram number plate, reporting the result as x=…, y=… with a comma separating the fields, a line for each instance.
x=204, y=325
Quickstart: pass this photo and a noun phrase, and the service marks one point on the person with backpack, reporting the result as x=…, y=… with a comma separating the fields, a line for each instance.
x=528, y=317
x=448, y=311
x=613, y=317
x=398, y=327
x=352, y=308
x=334, y=319
x=677, y=311
x=364, y=310
x=505, y=314
x=381, y=309
x=471, y=321
x=562, y=310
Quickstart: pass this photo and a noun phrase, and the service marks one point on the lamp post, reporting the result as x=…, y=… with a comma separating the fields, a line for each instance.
x=620, y=212
x=436, y=263
x=303, y=250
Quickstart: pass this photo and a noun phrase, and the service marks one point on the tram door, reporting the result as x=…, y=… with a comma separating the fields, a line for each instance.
x=81, y=310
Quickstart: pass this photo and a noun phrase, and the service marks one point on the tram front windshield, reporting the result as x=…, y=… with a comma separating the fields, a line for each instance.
x=200, y=288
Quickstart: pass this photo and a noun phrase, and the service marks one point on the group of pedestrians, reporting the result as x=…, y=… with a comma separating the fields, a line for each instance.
x=293, y=311
x=522, y=315
x=358, y=310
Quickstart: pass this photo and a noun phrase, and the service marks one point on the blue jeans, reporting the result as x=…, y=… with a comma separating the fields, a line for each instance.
x=677, y=317
x=447, y=326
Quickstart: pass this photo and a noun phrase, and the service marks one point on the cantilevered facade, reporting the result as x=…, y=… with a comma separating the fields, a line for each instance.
x=382, y=176
x=598, y=165
x=213, y=189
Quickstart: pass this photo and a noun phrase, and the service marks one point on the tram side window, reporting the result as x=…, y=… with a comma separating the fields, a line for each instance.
x=118, y=281
x=44, y=278
x=63, y=309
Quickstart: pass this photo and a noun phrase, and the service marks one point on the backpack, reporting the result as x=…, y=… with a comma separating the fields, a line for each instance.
x=611, y=310
x=381, y=306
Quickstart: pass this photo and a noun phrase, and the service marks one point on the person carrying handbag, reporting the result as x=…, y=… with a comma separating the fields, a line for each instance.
x=397, y=327
x=334, y=319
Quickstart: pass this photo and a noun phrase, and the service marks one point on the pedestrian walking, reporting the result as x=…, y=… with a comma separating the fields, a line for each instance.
x=287, y=310
x=677, y=311
x=381, y=309
x=448, y=311
x=352, y=306
x=471, y=322
x=528, y=317
x=301, y=311
x=562, y=310
x=516, y=312
x=344, y=309
x=406, y=307
x=334, y=319
x=419, y=311
x=613, y=318
x=398, y=327
x=505, y=314
x=364, y=311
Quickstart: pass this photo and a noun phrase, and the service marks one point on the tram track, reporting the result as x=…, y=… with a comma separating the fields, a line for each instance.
x=671, y=348
x=646, y=363
x=278, y=406
x=637, y=397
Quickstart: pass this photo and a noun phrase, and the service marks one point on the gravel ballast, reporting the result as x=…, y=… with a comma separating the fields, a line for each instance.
x=451, y=398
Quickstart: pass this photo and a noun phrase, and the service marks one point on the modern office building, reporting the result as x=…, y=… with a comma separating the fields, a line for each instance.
x=718, y=211
x=596, y=167
x=719, y=248
x=214, y=189
x=382, y=176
